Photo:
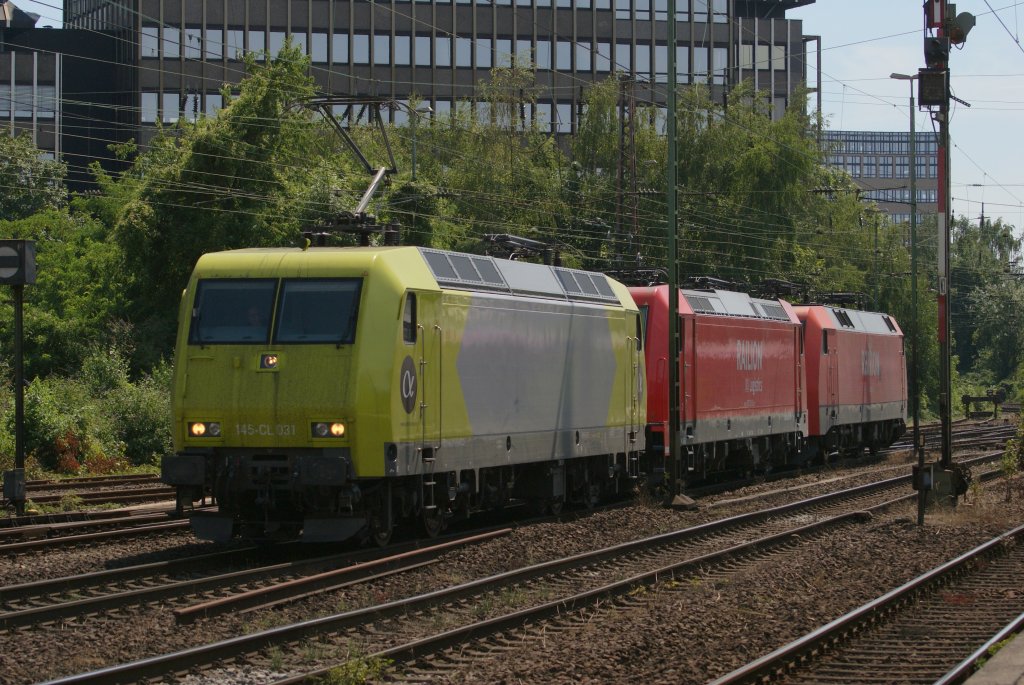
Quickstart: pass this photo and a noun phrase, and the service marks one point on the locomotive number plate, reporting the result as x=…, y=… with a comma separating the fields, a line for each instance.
x=265, y=429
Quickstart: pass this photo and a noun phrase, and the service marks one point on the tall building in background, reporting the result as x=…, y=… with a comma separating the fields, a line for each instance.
x=120, y=66
x=879, y=163
x=66, y=89
x=184, y=51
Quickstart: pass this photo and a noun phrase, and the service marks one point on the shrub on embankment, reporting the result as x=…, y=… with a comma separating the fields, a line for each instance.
x=98, y=420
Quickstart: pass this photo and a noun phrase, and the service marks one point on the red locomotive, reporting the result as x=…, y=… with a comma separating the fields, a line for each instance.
x=857, y=380
x=742, y=398
x=764, y=384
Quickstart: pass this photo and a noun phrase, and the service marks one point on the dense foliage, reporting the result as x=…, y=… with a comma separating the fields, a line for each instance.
x=756, y=202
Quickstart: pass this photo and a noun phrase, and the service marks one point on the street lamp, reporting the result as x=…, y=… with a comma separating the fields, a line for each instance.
x=915, y=400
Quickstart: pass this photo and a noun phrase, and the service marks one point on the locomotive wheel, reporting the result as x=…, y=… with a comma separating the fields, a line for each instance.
x=433, y=522
x=555, y=505
x=381, y=517
x=380, y=531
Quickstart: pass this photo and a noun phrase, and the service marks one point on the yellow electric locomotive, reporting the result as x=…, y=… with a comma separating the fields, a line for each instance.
x=331, y=392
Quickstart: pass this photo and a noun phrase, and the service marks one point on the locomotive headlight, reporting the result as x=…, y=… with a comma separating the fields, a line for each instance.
x=328, y=429
x=204, y=429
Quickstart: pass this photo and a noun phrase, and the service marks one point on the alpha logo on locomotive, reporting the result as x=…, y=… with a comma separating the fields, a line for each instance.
x=407, y=378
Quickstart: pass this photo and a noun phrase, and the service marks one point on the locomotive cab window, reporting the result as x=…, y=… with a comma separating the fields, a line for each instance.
x=318, y=310
x=409, y=319
x=232, y=311
x=639, y=333
x=824, y=342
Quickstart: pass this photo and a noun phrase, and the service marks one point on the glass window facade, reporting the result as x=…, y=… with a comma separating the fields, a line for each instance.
x=171, y=42
x=339, y=48
x=214, y=44
x=595, y=38
x=149, y=41
x=318, y=48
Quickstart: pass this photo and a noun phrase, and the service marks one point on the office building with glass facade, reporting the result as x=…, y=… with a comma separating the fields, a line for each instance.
x=120, y=66
x=65, y=89
x=439, y=51
x=879, y=163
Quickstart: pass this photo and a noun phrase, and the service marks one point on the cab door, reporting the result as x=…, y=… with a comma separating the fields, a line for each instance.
x=830, y=353
x=422, y=330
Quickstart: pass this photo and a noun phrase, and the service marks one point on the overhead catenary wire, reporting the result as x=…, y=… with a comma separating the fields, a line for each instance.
x=453, y=34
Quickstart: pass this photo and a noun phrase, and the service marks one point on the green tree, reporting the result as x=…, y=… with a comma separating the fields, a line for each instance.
x=77, y=299
x=982, y=258
x=603, y=224
x=28, y=182
x=997, y=341
x=489, y=169
x=257, y=174
x=753, y=191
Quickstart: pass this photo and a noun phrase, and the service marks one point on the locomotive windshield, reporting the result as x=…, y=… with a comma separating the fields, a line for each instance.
x=318, y=310
x=232, y=311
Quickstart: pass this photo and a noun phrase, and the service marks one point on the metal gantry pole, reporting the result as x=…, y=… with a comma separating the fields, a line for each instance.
x=672, y=450
x=915, y=399
x=945, y=366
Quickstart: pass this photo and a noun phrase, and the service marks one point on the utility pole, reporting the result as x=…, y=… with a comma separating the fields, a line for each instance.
x=915, y=369
x=949, y=28
x=673, y=453
x=937, y=57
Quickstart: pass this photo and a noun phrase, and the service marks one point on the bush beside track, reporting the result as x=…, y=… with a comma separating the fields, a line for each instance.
x=95, y=421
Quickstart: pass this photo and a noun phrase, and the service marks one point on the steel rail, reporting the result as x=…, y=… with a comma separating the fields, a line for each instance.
x=966, y=667
x=97, y=482
x=110, y=496
x=363, y=570
x=322, y=582
x=433, y=644
x=181, y=661
x=44, y=530
x=412, y=650
x=68, y=540
x=775, y=662
x=62, y=517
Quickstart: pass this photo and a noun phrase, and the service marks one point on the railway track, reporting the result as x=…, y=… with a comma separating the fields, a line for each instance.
x=965, y=435
x=403, y=629
x=137, y=526
x=934, y=629
x=90, y=482
x=90, y=491
x=184, y=585
x=114, y=496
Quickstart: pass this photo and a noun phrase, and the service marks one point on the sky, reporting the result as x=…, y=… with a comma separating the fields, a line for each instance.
x=863, y=41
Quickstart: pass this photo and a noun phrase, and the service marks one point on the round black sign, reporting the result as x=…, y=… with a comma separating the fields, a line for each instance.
x=407, y=385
